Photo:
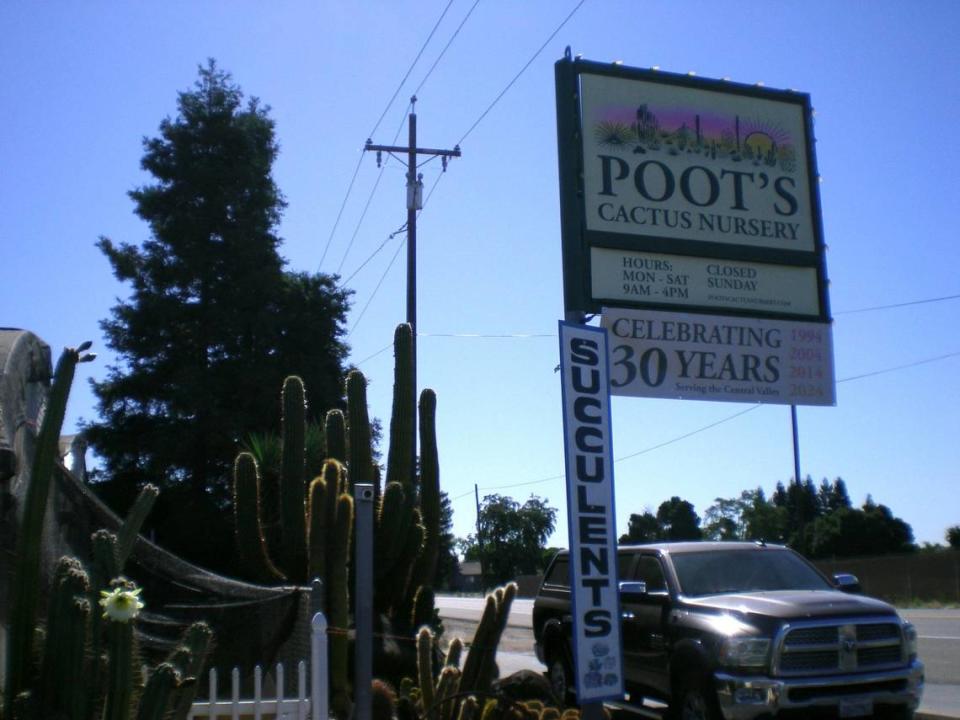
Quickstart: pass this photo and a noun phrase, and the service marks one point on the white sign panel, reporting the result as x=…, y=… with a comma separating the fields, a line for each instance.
x=708, y=357
x=641, y=277
x=671, y=161
x=595, y=600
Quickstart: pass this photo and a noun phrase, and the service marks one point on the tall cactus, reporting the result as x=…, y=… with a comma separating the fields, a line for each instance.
x=400, y=464
x=66, y=642
x=359, y=437
x=292, y=490
x=26, y=563
x=122, y=664
x=251, y=544
x=407, y=520
x=339, y=611
x=70, y=680
x=479, y=668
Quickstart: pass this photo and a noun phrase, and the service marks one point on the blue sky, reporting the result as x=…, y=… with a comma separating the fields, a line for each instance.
x=82, y=83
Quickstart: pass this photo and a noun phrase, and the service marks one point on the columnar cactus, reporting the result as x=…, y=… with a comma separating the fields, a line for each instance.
x=24, y=593
x=338, y=609
x=292, y=488
x=251, y=544
x=71, y=648
x=480, y=666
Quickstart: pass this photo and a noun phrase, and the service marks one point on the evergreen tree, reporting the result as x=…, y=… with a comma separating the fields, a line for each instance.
x=213, y=323
x=952, y=536
x=640, y=529
x=678, y=520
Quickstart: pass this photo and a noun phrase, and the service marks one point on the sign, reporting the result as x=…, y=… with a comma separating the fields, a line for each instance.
x=674, y=161
x=622, y=275
x=709, y=357
x=594, y=594
x=695, y=173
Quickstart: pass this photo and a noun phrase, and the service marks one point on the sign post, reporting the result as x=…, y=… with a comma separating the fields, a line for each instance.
x=594, y=594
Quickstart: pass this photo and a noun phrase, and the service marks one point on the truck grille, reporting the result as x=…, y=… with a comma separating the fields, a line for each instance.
x=832, y=648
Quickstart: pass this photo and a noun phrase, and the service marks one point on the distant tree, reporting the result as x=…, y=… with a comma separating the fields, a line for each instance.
x=762, y=519
x=724, y=519
x=640, y=529
x=678, y=520
x=446, y=555
x=953, y=536
x=850, y=532
x=213, y=323
x=779, y=497
x=512, y=538
x=832, y=496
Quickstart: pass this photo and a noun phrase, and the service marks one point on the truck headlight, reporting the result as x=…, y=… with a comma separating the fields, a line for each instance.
x=910, y=640
x=745, y=652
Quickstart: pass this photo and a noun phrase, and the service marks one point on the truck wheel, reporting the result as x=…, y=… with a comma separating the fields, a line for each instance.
x=695, y=701
x=561, y=679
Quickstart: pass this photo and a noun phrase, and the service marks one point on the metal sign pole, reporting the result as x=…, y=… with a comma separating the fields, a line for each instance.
x=363, y=599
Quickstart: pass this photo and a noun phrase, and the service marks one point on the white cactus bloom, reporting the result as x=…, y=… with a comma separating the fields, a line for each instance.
x=121, y=605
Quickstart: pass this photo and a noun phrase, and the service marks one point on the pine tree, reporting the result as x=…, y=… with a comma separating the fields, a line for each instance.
x=213, y=323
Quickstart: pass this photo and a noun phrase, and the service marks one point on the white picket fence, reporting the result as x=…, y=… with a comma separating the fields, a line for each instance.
x=279, y=707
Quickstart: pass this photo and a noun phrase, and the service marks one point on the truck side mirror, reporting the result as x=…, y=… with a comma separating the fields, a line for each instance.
x=633, y=590
x=845, y=582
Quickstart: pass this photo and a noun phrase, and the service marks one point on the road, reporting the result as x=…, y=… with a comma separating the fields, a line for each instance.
x=938, y=631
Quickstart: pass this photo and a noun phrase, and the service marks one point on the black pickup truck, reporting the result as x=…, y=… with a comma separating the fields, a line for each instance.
x=738, y=631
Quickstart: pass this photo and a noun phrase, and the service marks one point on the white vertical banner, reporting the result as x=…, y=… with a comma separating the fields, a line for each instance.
x=588, y=448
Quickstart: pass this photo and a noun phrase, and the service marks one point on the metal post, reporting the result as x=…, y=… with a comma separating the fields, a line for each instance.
x=476, y=497
x=412, y=195
x=796, y=444
x=363, y=596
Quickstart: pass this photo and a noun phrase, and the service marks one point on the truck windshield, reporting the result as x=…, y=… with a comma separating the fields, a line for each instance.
x=744, y=570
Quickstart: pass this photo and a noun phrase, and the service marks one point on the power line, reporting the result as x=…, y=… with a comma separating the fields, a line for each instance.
x=898, y=305
x=522, y=70
x=925, y=361
x=728, y=419
x=410, y=70
x=386, y=109
x=553, y=335
x=376, y=289
x=371, y=357
x=373, y=191
x=343, y=205
x=372, y=255
x=446, y=47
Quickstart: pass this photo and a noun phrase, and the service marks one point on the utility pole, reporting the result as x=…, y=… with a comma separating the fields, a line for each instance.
x=414, y=203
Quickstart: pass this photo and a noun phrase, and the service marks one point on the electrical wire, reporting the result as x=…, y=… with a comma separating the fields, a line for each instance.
x=728, y=419
x=447, y=46
x=386, y=109
x=522, y=70
x=410, y=69
x=377, y=288
x=371, y=357
x=373, y=191
x=343, y=205
x=391, y=236
x=898, y=305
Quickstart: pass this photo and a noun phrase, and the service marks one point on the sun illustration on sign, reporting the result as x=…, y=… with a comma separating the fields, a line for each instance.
x=614, y=133
x=680, y=129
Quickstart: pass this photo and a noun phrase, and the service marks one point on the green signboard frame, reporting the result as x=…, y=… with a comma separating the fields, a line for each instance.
x=585, y=237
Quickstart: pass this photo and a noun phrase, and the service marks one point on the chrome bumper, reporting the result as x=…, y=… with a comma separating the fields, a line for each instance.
x=746, y=697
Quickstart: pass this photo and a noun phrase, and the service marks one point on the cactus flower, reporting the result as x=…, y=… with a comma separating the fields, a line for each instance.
x=121, y=605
